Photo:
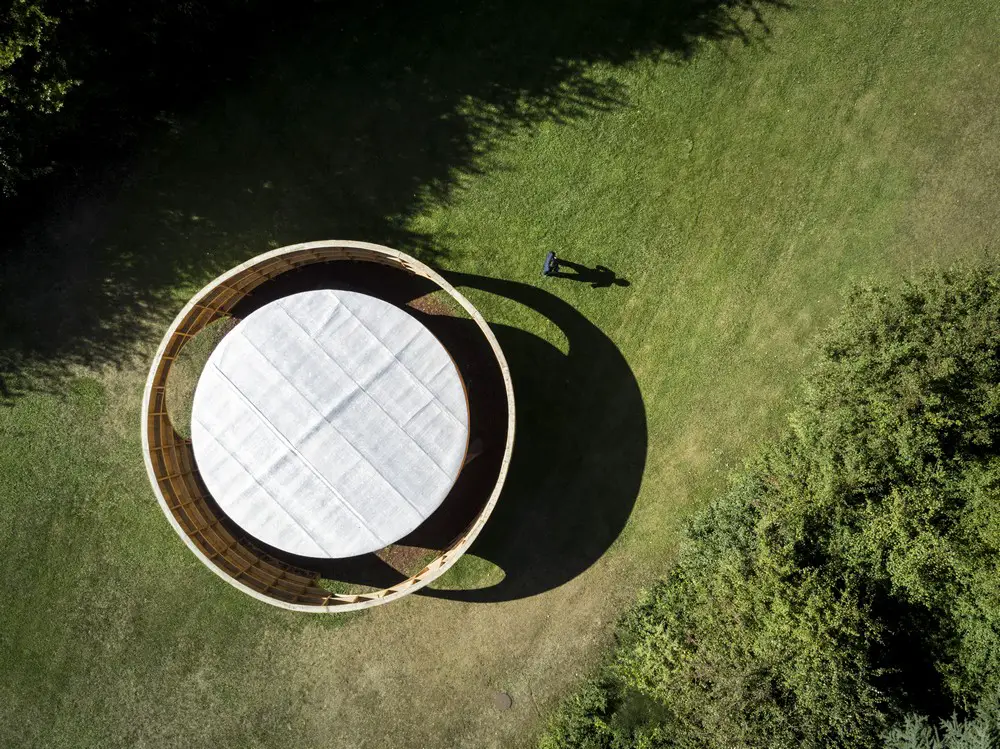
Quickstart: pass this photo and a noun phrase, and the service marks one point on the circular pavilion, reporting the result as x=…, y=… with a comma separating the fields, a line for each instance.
x=327, y=424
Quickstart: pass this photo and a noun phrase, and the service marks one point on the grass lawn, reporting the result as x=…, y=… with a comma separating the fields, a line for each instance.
x=739, y=173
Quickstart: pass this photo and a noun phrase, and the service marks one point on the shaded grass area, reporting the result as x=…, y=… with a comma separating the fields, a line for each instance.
x=347, y=122
x=738, y=188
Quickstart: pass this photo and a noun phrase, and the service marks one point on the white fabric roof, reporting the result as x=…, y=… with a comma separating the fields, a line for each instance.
x=329, y=423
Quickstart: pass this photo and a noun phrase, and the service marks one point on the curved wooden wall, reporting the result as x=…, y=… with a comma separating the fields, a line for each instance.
x=170, y=460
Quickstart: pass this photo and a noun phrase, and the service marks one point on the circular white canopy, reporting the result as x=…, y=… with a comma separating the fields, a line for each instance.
x=329, y=423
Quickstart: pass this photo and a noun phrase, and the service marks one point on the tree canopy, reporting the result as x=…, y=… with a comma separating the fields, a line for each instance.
x=93, y=70
x=848, y=576
x=33, y=81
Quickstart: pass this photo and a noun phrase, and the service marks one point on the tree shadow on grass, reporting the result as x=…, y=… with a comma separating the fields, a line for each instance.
x=342, y=122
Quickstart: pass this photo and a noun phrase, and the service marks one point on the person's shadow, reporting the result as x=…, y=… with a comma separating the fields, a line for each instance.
x=599, y=277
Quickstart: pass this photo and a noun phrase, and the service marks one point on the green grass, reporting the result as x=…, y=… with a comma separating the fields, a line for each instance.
x=738, y=187
x=469, y=573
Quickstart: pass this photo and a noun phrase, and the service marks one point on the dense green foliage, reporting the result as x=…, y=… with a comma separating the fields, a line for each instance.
x=31, y=76
x=33, y=80
x=74, y=69
x=980, y=731
x=848, y=576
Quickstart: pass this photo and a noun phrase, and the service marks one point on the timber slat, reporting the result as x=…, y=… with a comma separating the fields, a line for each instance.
x=172, y=469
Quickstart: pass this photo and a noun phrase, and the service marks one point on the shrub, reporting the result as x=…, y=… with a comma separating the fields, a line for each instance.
x=980, y=731
x=602, y=715
x=848, y=575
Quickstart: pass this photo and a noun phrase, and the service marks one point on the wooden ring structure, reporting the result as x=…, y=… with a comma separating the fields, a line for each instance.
x=170, y=461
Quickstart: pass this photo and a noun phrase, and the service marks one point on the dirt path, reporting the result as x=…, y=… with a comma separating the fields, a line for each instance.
x=432, y=680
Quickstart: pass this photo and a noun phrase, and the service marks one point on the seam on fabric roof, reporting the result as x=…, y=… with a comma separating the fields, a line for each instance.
x=354, y=447
x=326, y=318
x=408, y=370
x=429, y=395
x=302, y=457
x=444, y=365
x=253, y=478
x=363, y=389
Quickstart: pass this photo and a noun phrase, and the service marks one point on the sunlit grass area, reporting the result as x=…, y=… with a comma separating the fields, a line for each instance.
x=739, y=170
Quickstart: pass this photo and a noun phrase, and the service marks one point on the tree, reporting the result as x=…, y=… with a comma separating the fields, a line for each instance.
x=980, y=731
x=848, y=575
x=33, y=81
